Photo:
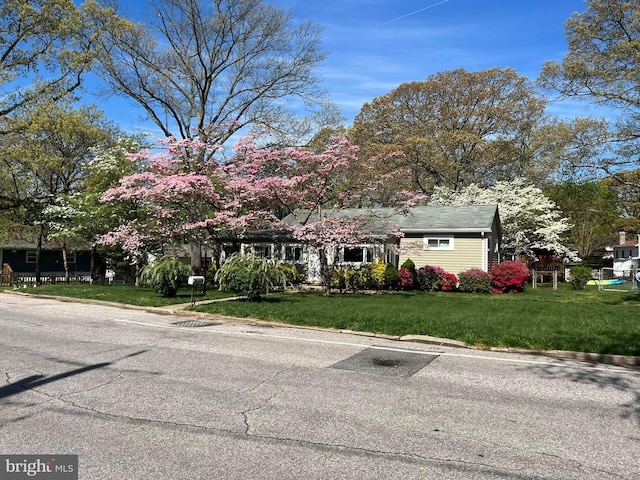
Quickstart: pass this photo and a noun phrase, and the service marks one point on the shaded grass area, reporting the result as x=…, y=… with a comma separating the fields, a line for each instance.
x=127, y=294
x=543, y=319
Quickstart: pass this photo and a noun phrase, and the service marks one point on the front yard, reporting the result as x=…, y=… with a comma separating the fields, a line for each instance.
x=587, y=321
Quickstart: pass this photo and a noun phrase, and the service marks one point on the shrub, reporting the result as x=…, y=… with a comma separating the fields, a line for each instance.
x=295, y=274
x=429, y=278
x=580, y=275
x=250, y=275
x=474, y=280
x=355, y=279
x=509, y=276
x=373, y=275
x=166, y=276
x=348, y=279
x=339, y=279
x=406, y=278
x=392, y=278
x=448, y=282
x=409, y=265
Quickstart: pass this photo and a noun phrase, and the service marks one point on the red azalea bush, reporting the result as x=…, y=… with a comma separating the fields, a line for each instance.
x=475, y=280
x=448, y=282
x=406, y=278
x=509, y=276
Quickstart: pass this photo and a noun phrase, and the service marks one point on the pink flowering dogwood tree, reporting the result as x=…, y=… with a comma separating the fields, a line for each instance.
x=316, y=188
x=187, y=194
x=184, y=194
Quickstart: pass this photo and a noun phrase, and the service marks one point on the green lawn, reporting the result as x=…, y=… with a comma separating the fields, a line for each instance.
x=587, y=321
x=127, y=294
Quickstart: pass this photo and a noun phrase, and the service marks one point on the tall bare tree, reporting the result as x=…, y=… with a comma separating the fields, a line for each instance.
x=195, y=63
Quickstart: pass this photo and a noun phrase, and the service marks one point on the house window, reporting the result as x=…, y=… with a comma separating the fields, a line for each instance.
x=71, y=257
x=31, y=256
x=358, y=254
x=293, y=253
x=263, y=251
x=438, y=243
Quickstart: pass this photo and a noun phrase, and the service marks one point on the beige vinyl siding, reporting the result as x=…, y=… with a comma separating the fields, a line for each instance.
x=467, y=253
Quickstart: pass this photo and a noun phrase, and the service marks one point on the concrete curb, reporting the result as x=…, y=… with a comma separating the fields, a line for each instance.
x=627, y=361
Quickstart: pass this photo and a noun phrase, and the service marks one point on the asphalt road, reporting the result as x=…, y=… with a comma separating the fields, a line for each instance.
x=136, y=396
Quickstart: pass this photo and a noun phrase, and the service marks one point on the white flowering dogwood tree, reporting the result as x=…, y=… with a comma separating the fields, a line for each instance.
x=530, y=220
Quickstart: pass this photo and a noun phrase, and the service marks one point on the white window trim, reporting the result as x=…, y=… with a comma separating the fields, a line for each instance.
x=425, y=243
x=30, y=256
x=293, y=246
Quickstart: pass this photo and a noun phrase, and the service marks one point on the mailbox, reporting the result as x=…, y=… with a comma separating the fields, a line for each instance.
x=196, y=280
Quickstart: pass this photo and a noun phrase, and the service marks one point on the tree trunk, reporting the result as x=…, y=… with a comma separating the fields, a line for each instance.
x=195, y=252
x=139, y=266
x=38, y=251
x=65, y=262
x=325, y=271
x=98, y=269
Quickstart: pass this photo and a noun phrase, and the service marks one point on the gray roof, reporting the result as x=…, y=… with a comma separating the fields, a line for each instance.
x=425, y=219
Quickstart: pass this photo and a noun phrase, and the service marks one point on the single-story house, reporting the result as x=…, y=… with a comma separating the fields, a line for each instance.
x=19, y=257
x=454, y=237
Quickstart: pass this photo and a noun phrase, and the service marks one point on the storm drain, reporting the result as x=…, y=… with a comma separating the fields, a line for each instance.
x=386, y=362
x=195, y=323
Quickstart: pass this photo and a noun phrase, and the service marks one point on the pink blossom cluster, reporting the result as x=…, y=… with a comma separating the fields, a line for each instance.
x=187, y=191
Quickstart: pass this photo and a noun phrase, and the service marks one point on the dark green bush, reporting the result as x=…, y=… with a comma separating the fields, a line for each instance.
x=166, y=276
x=474, y=280
x=429, y=278
x=580, y=275
x=392, y=277
x=250, y=276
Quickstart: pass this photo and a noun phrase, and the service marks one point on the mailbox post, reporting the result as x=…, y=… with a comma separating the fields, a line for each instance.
x=194, y=280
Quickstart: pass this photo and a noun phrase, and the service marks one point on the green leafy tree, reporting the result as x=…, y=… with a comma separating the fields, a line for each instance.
x=603, y=66
x=46, y=162
x=591, y=208
x=580, y=275
x=41, y=58
x=455, y=128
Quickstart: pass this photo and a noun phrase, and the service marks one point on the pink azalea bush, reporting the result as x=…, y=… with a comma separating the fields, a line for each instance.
x=406, y=278
x=475, y=280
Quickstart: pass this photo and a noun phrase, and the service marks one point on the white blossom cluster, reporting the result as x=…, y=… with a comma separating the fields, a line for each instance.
x=530, y=220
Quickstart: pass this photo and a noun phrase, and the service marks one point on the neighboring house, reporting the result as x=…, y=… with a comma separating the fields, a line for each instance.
x=454, y=237
x=20, y=257
x=626, y=256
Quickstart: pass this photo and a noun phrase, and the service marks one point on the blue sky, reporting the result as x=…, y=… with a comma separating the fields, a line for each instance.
x=375, y=45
